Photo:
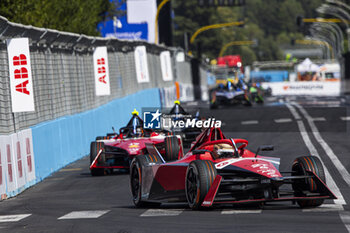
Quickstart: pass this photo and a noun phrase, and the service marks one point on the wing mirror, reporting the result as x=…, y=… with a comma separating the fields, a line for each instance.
x=264, y=148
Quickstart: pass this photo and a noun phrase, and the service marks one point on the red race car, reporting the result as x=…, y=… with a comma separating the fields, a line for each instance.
x=117, y=151
x=220, y=170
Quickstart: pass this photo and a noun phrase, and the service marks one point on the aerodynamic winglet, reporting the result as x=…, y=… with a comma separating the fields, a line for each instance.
x=209, y=198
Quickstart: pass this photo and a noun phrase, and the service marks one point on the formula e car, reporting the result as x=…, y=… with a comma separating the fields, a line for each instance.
x=177, y=114
x=117, y=152
x=229, y=93
x=219, y=170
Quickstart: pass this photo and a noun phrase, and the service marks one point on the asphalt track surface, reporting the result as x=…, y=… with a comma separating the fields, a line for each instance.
x=71, y=200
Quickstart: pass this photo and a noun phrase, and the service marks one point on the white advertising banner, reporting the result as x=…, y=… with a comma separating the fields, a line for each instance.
x=18, y=160
x=143, y=11
x=141, y=64
x=102, y=84
x=165, y=64
x=304, y=88
x=21, y=82
x=8, y=165
x=3, y=167
x=26, y=148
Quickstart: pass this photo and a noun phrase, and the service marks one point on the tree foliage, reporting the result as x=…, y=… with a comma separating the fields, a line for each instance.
x=79, y=16
x=270, y=22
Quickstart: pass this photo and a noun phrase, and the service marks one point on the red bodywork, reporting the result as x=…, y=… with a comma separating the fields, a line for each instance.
x=165, y=182
x=133, y=147
x=230, y=61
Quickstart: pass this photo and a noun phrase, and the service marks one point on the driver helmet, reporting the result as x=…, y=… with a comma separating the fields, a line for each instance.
x=224, y=150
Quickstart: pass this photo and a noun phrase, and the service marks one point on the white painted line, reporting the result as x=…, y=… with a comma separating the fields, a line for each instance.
x=13, y=218
x=84, y=214
x=329, y=179
x=293, y=111
x=318, y=119
x=241, y=212
x=161, y=212
x=329, y=152
x=325, y=208
x=283, y=120
x=347, y=118
x=345, y=217
x=340, y=201
x=249, y=122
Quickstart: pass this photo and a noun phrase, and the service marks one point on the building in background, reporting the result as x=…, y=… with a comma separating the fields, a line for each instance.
x=138, y=22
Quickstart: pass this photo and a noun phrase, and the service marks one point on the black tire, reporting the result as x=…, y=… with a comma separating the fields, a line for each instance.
x=300, y=165
x=213, y=104
x=200, y=176
x=103, y=138
x=95, y=147
x=172, y=148
x=136, y=181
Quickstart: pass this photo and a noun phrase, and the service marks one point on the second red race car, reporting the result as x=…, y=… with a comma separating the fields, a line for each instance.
x=219, y=170
x=117, y=151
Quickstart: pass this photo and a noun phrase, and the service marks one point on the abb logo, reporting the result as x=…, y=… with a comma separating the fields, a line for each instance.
x=21, y=73
x=101, y=69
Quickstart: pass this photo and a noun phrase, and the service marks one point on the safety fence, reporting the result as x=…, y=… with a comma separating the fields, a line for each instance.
x=64, y=71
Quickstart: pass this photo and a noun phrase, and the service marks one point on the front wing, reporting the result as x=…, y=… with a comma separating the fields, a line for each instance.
x=212, y=199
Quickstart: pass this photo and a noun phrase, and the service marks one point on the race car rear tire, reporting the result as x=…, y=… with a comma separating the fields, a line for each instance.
x=95, y=147
x=172, y=148
x=299, y=167
x=200, y=175
x=103, y=138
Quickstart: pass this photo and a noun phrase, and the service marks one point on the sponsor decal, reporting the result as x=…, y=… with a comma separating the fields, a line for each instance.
x=134, y=145
x=265, y=170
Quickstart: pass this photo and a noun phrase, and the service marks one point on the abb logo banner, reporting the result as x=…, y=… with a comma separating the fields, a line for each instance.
x=102, y=85
x=165, y=64
x=141, y=64
x=21, y=81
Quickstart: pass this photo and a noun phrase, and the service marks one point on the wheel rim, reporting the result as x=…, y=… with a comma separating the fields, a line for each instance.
x=191, y=185
x=135, y=182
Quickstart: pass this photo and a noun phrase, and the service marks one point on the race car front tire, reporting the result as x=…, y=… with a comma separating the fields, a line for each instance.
x=200, y=176
x=299, y=167
x=95, y=147
x=136, y=181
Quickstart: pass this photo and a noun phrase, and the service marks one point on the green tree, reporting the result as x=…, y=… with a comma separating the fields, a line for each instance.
x=271, y=22
x=78, y=16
